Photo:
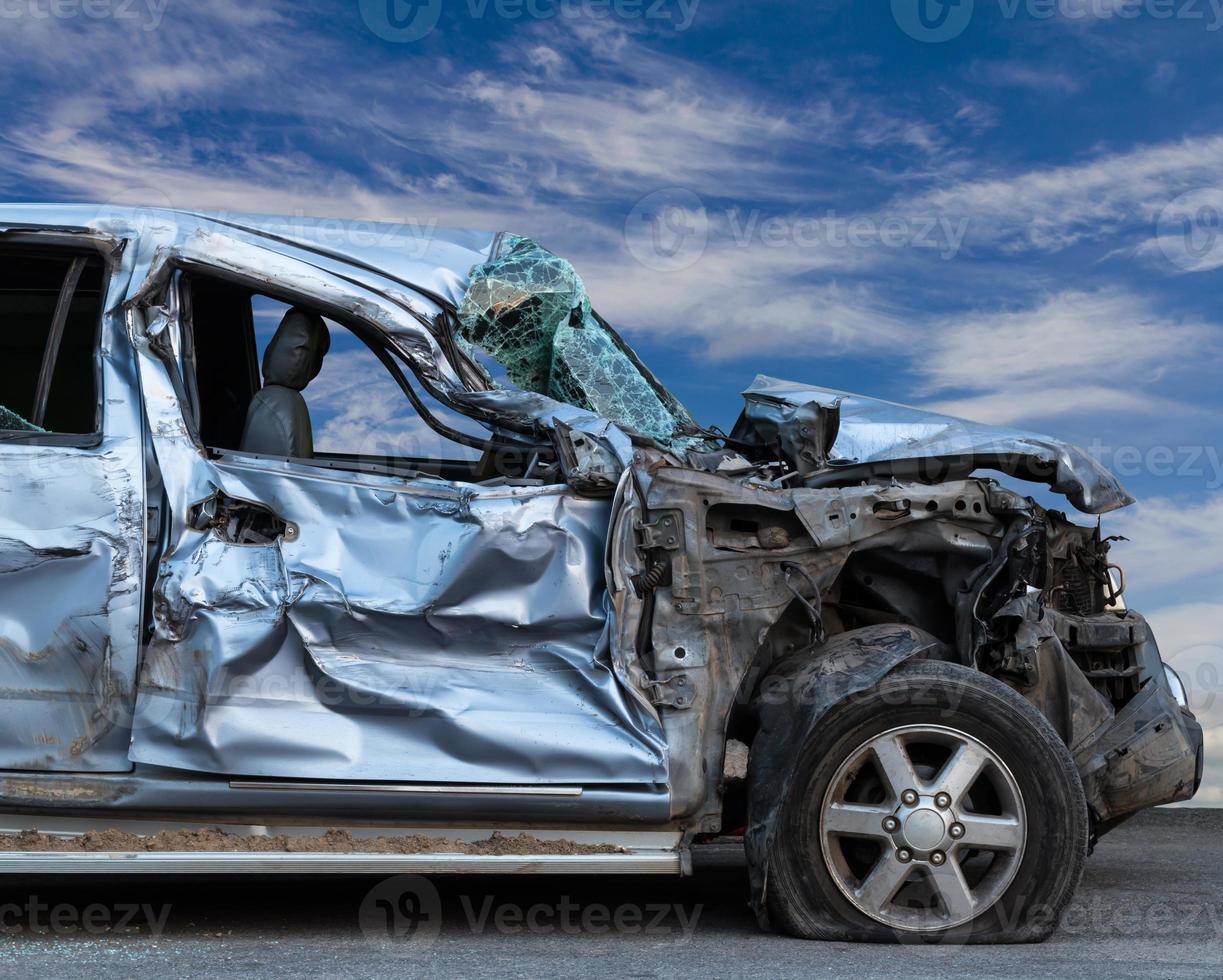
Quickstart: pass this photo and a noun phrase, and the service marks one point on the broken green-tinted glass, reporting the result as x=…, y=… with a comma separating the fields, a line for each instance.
x=10, y=421
x=528, y=310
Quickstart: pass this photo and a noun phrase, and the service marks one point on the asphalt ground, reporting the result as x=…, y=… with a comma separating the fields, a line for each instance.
x=1151, y=905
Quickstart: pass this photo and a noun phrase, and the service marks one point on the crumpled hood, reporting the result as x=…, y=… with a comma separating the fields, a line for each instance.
x=836, y=438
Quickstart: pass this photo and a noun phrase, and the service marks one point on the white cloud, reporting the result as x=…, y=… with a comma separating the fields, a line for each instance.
x=1017, y=74
x=559, y=144
x=357, y=407
x=1062, y=355
x=1188, y=234
x=591, y=116
x=1171, y=542
x=1052, y=402
x=750, y=299
x=1051, y=208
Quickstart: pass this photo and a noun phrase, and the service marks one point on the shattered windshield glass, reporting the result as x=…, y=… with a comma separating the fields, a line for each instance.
x=528, y=310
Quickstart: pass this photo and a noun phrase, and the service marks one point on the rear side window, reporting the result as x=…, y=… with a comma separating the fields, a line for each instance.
x=50, y=311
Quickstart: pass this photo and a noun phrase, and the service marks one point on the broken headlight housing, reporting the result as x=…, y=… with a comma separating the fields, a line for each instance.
x=1177, y=686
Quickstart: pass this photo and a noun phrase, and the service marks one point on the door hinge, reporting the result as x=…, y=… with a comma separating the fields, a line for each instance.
x=663, y=533
x=674, y=692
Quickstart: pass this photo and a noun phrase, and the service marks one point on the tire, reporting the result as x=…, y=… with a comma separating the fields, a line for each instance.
x=1026, y=806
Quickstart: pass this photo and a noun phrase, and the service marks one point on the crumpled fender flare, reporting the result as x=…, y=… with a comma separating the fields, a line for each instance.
x=794, y=698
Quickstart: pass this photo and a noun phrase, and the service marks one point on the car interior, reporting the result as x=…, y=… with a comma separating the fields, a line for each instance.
x=276, y=378
x=50, y=306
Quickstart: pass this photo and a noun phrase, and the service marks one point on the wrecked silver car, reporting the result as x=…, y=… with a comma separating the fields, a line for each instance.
x=915, y=693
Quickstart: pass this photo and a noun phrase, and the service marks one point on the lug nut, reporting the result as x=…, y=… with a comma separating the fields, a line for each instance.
x=957, y=830
x=942, y=801
x=891, y=824
x=908, y=797
x=937, y=858
x=904, y=856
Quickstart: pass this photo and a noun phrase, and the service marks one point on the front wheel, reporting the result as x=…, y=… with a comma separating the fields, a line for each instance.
x=938, y=806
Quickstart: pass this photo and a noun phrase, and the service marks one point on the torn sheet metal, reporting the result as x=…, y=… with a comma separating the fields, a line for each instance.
x=741, y=555
x=409, y=630
x=873, y=439
x=1099, y=679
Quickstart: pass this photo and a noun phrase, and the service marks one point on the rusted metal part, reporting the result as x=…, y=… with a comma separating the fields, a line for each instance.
x=723, y=619
x=1099, y=680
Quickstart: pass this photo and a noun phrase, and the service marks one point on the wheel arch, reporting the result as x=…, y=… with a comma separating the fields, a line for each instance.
x=793, y=698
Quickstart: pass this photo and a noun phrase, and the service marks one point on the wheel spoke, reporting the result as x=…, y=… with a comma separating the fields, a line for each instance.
x=961, y=770
x=883, y=882
x=953, y=891
x=992, y=833
x=855, y=820
x=894, y=765
x=934, y=831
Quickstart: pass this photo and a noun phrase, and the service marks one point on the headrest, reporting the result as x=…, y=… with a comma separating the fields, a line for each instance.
x=295, y=355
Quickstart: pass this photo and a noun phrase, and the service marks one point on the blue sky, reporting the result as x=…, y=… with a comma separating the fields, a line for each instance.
x=1007, y=208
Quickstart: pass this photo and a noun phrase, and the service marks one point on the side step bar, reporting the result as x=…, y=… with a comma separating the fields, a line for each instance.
x=637, y=851
x=231, y=863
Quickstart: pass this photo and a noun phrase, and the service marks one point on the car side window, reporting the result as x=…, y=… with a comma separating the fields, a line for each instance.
x=275, y=379
x=50, y=311
x=356, y=407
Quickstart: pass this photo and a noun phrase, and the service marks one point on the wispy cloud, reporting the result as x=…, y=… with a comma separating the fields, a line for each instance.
x=357, y=407
x=1020, y=74
x=1075, y=351
x=559, y=132
x=1171, y=542
x=1051, y=208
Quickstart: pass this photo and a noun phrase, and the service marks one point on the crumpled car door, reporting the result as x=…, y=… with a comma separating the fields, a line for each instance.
x=72, y=534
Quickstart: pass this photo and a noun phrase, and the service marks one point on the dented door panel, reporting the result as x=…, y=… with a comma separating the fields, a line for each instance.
x=72, y=527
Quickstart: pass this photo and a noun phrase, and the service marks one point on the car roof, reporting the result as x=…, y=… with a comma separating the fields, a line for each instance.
x=435, y=260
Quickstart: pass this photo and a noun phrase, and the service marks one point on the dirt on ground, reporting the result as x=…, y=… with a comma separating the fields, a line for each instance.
x=331, y=842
